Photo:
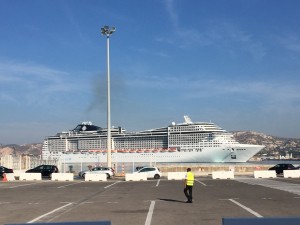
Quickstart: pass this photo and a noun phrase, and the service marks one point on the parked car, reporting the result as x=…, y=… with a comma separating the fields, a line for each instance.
x=297, y=168
x=5, y=170
x=98, y=170
x=279, y=168
x=45, y=170
x=139, y=167
x=152, y=172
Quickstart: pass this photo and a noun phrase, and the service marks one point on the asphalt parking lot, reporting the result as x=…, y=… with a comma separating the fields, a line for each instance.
x=148, y=202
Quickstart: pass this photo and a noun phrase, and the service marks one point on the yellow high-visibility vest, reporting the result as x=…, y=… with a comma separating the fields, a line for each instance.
x=190, y=179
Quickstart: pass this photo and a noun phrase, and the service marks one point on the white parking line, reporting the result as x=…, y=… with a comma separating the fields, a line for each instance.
x=70, y=184
x=150, y=213
x=112, y=184
x=201, y=182
x=1, y=203
x=246, y=208
x=157, y=183
x=27, y=184
x=275, y=184
x=36, y=219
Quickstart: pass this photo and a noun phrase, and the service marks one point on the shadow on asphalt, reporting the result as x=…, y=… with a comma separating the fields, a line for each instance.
x=170, y=200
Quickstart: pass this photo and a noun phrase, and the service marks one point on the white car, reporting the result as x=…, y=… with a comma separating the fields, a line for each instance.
x=99, y=170
x=152, y=172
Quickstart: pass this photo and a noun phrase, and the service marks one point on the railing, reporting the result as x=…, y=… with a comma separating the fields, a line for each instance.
x=23, y=162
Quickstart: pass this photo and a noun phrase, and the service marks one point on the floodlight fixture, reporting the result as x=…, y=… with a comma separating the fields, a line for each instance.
x=107, y=31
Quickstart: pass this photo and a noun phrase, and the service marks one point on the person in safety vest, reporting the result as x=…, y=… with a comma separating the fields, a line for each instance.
x=188, y=187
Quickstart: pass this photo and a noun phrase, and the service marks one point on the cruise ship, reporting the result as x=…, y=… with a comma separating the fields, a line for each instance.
x=187, y=142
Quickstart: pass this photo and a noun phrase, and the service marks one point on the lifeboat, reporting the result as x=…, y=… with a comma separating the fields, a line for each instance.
x=140, y=151
x=148, y=151
x=164, y=150
x=132, y=151
x=95, y=151
x=172, y=150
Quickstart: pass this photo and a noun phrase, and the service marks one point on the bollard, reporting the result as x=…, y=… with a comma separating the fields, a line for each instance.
x=123, y=172
x=4, y=179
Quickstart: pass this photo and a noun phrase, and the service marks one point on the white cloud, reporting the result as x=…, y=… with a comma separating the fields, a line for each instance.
x=35, y=83
x=278, y=96
x=74, y=23
x=8, y=98
x=152, y=53
x=172, y=13
x=226, y=36
x=21, y=72
x=290, y=42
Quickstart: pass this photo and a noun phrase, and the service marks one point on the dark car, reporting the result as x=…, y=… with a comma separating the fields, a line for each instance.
x=5, y=170
x=281, y=167
x=45, y=170
x=296, y=168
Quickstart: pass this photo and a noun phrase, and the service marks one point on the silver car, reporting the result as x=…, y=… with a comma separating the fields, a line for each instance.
x=98, y=170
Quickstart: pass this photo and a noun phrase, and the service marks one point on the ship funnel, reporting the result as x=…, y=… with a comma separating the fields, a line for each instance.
x=187, y=119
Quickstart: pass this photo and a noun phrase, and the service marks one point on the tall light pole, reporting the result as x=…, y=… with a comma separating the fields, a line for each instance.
x=107, y=32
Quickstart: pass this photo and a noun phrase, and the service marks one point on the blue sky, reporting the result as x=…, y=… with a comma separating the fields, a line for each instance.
x=234, y=63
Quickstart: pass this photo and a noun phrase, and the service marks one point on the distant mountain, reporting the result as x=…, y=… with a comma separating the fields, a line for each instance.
x=27, y=149
x=275, y=146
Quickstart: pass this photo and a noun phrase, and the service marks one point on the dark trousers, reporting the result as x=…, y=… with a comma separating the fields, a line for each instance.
x=188, y=191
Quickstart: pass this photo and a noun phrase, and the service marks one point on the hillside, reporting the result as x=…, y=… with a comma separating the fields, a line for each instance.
x=27, y=149
x=275, y=146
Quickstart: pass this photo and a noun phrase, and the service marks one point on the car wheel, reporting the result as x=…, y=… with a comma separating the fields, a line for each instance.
x=108, y=176
x=156, y=176
x=83, y=176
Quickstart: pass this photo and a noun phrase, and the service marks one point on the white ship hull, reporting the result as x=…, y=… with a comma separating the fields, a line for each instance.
x=209, y=155
x=177, y=143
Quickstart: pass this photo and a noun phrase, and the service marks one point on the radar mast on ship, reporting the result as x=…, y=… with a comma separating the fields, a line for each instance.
x=187, y=119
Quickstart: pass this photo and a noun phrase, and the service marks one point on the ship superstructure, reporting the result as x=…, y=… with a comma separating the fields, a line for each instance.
x=183, y=142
